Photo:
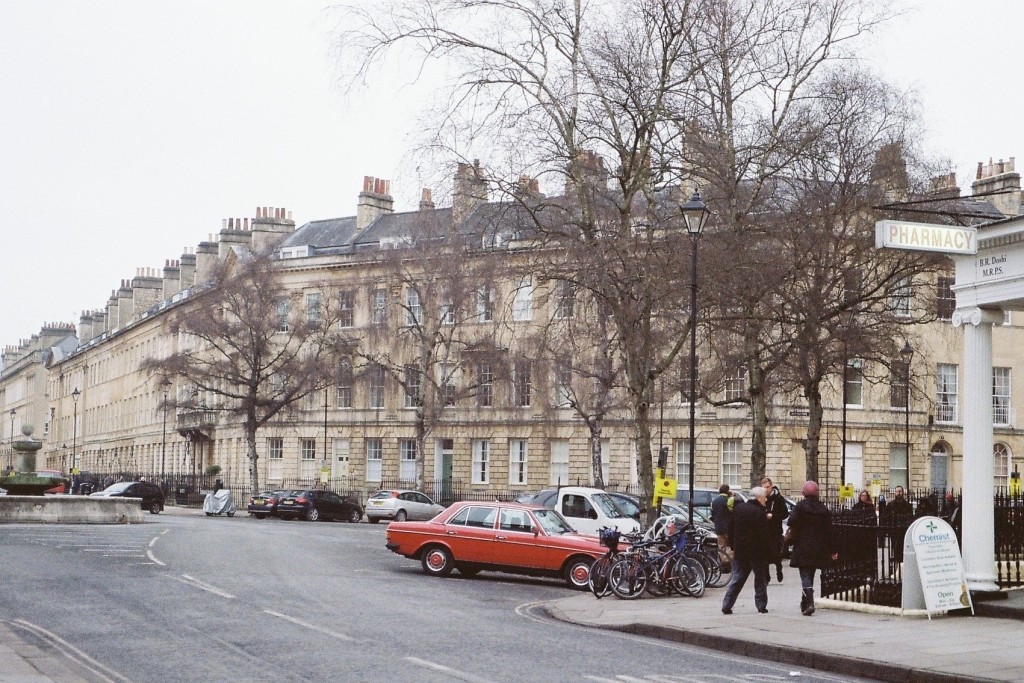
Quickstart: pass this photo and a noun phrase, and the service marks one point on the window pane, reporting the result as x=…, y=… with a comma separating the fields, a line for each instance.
x=1001, y=396
x=517, y=461
x=481, y=461
x=732, y=462
x=945, y=394
x=560, y=462
x=898, y=466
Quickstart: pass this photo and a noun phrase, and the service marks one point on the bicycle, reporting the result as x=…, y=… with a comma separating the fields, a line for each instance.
x=642, y=568
x=610, y=538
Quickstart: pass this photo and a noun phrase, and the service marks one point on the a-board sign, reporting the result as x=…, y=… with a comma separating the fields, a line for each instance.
x=933, y=570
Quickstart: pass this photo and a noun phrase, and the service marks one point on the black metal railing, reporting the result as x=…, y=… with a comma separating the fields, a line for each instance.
x=870, y=546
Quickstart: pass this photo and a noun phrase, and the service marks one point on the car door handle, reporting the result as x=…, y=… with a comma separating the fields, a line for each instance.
x=452, y=533
x=500, y=538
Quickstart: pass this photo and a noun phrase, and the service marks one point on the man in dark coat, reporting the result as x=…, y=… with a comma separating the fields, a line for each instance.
x=778, y=511
x=810, y=529
x=721, y=517
x=897, y=518
x=751, y=545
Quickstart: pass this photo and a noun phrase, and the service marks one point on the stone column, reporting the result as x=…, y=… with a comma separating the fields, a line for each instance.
x=978, y=469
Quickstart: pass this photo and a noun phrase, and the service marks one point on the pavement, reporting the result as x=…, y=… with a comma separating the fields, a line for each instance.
x=856, y=640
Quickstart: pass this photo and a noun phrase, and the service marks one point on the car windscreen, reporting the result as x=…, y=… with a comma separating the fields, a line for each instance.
x=553, y=523
x=380, y=495
x=605, y=503
x=118, y=488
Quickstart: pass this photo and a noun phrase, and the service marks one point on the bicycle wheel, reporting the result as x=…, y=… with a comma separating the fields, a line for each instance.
x=660, y=576
x=715, y=577
x=628, y=578
x=598, y=581
x=712, y=568
x=688, y=577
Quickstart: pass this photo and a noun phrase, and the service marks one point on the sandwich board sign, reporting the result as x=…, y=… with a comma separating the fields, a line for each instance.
x=933, y=570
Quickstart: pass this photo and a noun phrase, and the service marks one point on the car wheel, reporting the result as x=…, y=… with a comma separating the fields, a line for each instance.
x=355, y=515
x=437, y=561
x=400, y=516
x=313, y=515
x=209, y=514
x=154, y=508
x=577, y=573
x=231, y=514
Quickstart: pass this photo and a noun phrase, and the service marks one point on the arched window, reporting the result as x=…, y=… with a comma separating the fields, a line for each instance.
x=1001, y=466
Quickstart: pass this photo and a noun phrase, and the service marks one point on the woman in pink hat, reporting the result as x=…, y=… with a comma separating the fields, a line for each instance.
x=810, y=532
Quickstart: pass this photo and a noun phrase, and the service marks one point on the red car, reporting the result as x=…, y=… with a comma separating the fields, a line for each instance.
x=505, y=537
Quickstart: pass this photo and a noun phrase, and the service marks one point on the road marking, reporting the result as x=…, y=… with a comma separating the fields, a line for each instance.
x=448, y=671
x=73, y=653
x=149, y=551
x=312, y=627
x=192, y=581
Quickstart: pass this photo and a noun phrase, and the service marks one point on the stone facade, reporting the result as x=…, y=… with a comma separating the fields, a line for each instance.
x=118, y=420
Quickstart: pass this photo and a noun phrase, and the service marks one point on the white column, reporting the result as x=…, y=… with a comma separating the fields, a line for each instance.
x=978, y=470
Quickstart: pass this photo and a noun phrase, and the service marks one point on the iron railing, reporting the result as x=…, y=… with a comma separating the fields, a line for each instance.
x=870, y=546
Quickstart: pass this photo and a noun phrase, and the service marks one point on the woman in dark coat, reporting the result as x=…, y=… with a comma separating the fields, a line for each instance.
x=810, y=529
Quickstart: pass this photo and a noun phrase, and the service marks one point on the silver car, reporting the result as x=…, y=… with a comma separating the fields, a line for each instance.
x=400, y=505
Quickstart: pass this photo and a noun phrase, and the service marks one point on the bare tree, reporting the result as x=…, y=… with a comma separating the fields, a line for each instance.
x=579, y=338
x=756, y=123
x=247, y=347
x=587, y=97
x=424, y=336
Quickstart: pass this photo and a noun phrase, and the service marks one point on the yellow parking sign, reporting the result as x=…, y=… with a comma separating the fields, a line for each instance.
x=664, y=488
x=1015, y=487
x=846, y=492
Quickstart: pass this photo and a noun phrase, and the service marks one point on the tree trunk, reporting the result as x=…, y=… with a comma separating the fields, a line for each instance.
x=759, y=426
x=421, y=448
x=645, y=467
x=595, y=425
x=812, y=392
x=254, y=457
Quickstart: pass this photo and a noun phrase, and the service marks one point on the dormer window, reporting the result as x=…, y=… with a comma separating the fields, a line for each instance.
x=294, y=252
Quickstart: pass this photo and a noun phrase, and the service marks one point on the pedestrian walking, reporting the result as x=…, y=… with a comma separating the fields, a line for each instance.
x=778, y=511
x=751, y=545
x=721, y=517
x=810, y=531
x=897, y=518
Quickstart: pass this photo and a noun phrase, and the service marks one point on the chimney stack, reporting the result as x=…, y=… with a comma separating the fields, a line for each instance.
x=374, y=201
x=470, y=190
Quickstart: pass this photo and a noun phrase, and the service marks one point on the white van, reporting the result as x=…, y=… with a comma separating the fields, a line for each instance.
x=589, y=509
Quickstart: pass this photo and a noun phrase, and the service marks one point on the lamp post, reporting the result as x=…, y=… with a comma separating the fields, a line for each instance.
x=74, y=431
x=695, y=215
x=10, y=456
x=165, y=384
x=846, y=318
x=907, y=354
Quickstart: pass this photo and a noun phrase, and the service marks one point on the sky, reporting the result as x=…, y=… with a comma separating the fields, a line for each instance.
x=130, y=128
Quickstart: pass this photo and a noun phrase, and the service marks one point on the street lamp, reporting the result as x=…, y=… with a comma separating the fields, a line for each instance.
x=907, y=354
x=695, y=215
x=74, y=431
x=846, y=317
x=165, y=384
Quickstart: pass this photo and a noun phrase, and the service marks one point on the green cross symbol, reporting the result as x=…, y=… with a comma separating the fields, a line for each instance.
x=931, y=527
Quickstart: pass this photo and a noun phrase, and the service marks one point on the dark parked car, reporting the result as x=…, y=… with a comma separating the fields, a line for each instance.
x=315, y=504
x=264, y=504
x=151, y=495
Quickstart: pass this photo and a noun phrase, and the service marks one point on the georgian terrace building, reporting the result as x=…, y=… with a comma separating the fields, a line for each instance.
x=505, y=438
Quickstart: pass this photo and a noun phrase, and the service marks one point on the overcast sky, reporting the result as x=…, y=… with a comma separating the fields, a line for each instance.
x=130, y=128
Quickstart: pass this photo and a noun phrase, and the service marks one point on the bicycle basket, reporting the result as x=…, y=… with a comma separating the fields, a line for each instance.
x=610, y=538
